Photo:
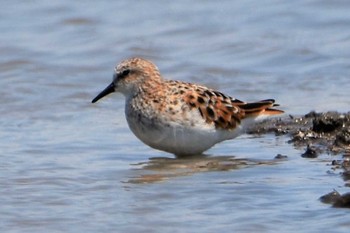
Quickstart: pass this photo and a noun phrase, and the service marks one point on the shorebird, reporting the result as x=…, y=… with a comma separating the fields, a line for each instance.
x=179, y=117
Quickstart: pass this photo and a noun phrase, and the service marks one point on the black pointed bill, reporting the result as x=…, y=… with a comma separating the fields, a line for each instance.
x=108, y=90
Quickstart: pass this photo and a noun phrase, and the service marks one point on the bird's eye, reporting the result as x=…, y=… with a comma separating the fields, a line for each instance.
x=125, y=72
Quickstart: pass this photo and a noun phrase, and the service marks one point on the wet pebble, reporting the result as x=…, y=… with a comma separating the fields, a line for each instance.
x=337, y=200
x=279, y=156
x=343, y=201
x=310, y=152
x=346, y=175
x=330, y=198
x=337, y=162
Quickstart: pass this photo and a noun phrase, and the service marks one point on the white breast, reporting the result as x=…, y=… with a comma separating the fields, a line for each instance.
x=188, y=135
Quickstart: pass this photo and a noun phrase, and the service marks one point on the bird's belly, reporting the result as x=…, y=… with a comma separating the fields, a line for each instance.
x=178, y=139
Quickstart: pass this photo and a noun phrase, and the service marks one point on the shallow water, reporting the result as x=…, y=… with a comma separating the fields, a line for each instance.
x=69, y=166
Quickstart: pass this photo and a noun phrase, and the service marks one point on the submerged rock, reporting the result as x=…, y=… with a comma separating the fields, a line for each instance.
x=330, y=198
x=337, y=200
x=310, y=152
x=279, y=156
x=343, y=201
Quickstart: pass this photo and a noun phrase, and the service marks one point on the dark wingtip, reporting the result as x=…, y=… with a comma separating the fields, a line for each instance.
x=268, y=100
x=263, y=107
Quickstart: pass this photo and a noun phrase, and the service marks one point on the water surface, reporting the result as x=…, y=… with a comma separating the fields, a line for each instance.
x=69, y=166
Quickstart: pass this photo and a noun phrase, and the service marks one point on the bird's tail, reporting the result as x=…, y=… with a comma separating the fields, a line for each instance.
x=260, y=108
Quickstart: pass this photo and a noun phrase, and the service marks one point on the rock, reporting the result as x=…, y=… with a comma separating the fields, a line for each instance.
x=337, y=200
x=279, y=156
x=330, y=198
x=343, y=201
x=310, y=152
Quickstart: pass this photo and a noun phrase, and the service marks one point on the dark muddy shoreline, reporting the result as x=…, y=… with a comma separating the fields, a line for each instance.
x=318, y=133
x=327, y=132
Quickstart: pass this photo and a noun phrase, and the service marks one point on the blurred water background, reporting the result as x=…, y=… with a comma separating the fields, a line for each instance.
x=69, y=166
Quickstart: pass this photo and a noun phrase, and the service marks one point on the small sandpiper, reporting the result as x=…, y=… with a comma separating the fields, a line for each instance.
x=178, y=117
